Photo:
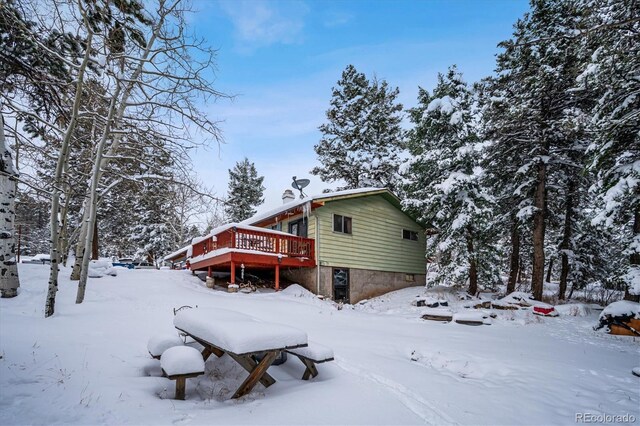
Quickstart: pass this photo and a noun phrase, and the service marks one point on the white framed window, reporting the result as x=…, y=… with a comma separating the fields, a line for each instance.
x=342, y=224
x=409, y=235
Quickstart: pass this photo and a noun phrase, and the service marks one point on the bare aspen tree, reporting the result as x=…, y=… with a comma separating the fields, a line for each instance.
x=63, y=158
x=156, y=88
x=9, y=281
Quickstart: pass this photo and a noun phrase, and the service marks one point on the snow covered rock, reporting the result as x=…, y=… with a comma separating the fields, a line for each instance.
x=472, y=318
x=161, y=342
x=182, y=360
x=437, y=314
x=519, y=298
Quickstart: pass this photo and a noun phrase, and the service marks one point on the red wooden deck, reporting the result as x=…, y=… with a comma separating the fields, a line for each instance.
x=254, y=249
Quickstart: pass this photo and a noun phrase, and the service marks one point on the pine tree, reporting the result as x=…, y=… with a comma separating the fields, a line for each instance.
x=535, y=121
x=445, y=183
x=245, y=191
x=362, y=138
x=611, y=73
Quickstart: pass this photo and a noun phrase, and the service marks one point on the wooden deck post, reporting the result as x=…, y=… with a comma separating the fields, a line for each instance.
x=233, y=272
x=277, y=277
x=209, y=271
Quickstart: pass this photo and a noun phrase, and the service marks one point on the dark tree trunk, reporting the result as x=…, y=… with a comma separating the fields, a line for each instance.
x=634, y=258
x=515, y=256
x=537, y=271
x=520, y=272
x=94, y=245
x=473, y=267
x=566, y=240
x=549, y=269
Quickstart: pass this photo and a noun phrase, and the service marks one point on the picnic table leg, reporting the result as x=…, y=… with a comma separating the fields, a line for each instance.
x=208, y=350
x=249, y=364
x=180, y=388
x=256, y=374
x=311, y=370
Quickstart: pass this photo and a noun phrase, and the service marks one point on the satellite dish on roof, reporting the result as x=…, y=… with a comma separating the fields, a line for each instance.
x=300, y=184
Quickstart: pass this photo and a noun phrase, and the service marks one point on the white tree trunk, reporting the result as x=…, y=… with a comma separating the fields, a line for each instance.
x=77, y=263
x=9, y=281
x=115, y=114
x=63, y=158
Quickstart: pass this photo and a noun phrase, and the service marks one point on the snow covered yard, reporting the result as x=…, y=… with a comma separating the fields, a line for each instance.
x=89, y=364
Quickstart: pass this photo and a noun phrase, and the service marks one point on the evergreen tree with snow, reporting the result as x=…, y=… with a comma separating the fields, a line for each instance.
x=362, y=138
x=444, y=183
x=245, y=191
x=537, y=126
x=153, y=210
x=611, y=73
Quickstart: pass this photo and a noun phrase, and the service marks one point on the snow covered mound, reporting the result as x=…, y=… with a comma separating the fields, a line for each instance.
x=519, y=299
x=100, y=268
x=574, y=309
x=296, y=290
x=441, y=293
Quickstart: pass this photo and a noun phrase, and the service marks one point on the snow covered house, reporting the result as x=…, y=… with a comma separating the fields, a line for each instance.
x=347, y=245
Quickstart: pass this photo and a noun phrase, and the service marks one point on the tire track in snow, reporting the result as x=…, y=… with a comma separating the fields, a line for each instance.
x=414, y=402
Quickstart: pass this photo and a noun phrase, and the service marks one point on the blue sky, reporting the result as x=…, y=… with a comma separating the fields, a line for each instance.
x=281, y=59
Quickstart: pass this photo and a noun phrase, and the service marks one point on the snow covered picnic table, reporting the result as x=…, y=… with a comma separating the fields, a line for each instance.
x=253, y=344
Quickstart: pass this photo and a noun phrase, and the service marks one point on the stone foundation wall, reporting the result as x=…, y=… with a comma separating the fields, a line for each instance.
x=363, y=283
x=306, y=277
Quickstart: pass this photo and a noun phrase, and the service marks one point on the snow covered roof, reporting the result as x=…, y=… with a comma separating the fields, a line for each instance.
x=178, y=253
x=315, y=198
x=241, y=225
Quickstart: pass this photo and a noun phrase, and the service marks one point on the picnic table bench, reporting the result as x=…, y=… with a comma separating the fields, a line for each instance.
x=311, y=355
x=253, y=344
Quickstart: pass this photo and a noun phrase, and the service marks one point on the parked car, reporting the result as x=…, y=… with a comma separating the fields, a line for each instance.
x=125, y=262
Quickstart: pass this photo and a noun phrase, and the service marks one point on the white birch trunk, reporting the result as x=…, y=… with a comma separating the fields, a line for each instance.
x=114, y=117
x=77, y=263
x=9, y=281
x=63, y=158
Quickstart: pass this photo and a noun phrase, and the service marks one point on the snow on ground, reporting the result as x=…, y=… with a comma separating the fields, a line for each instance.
x=89, y=364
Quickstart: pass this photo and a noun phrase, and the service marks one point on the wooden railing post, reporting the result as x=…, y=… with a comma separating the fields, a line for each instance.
x=277, y=244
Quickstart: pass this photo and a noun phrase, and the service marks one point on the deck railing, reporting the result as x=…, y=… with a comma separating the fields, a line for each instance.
x=246, y=239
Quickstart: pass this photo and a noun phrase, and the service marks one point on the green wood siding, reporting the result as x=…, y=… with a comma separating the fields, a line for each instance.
x=376, y=241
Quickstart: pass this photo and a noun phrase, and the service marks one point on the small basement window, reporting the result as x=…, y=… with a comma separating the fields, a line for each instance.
x=409, y=278
x=409, y=235
x=341, y=224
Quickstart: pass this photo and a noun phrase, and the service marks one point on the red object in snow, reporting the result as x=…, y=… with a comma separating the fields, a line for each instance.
x=544, y=311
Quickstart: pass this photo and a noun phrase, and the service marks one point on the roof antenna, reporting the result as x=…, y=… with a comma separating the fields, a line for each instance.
x=300, y=184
